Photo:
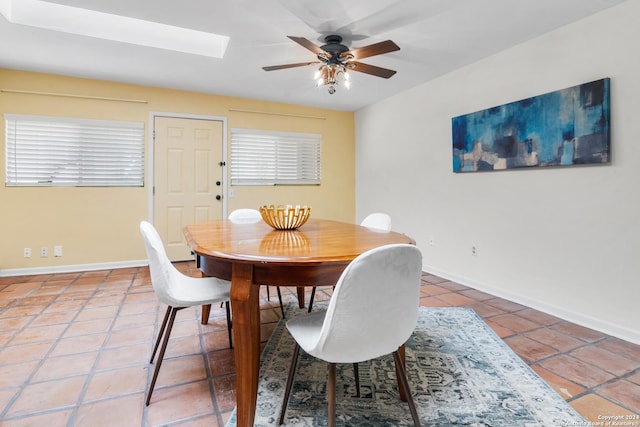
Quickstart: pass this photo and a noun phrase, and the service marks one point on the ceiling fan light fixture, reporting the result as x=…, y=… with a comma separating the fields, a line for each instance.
x=332, y=75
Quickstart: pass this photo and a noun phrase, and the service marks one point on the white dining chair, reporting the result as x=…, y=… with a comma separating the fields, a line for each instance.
x=178, y=291
x=372, y=312
x=245, y=216
x=251, y=216
x=377, y=221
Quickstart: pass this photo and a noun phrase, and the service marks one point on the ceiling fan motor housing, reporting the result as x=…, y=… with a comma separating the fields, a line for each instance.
x=335, y=48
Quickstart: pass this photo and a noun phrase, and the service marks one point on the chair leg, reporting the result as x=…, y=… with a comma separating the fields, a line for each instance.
x=280, y=299
x=165, y=341
x=226, y=304
x=402, y=376
x=268, y=294
x=206, y=311
x=403, y=393
x=160, y=332
x=356, y=375
x=287, y=390
x=331, y=395
x=313, y=294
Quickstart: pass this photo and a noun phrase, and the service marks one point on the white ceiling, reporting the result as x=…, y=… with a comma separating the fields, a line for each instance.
x=435, y=37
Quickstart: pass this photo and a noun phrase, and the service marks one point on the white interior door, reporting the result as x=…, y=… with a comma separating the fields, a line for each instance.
x=187, y=178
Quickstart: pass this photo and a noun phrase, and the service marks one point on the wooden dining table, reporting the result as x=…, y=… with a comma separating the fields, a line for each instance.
x=254, y=254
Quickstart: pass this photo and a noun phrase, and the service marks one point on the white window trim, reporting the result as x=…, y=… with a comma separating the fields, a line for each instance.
x=62, y=152
x=260, y=157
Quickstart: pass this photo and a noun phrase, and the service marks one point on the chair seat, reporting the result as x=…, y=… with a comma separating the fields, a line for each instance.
x=306, y=330
x=189, y=291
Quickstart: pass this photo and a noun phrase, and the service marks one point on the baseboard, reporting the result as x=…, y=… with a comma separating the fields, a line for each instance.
x=71, y=268
x=581, y=319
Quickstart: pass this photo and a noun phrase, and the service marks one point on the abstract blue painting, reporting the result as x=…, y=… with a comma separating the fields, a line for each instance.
x=566, y=127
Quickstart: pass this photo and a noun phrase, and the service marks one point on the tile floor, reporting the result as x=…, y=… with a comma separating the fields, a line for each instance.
x=74, y=351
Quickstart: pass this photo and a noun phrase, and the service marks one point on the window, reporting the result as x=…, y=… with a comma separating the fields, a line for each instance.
x=56, y=151
x=261, y=157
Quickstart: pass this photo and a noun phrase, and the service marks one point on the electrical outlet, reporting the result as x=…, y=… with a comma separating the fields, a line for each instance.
x=44, y=252
x=27, y=252
x=57, y=251
x=474, y=250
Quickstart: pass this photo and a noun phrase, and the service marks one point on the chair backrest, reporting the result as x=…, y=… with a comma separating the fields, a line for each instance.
x=163, y=273
x=374, y=307
x=377, y=220
x=245, y=216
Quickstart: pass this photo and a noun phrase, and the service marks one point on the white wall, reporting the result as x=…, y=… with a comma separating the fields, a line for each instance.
x=563, y=240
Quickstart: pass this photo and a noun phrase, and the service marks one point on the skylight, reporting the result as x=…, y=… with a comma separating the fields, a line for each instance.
x=75, y=20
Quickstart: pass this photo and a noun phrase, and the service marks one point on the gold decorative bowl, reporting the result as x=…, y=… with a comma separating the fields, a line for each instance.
x=285, y=217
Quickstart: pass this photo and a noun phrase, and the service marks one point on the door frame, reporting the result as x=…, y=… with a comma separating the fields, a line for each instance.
x=151, y=157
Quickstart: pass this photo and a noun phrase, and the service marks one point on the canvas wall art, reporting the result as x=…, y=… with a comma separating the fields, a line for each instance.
x=566, y=127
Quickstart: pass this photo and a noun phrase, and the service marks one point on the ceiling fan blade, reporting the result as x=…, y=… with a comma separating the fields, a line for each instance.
x=372, y=50
x=282, y=67
x=311, y=46
x=385, y=73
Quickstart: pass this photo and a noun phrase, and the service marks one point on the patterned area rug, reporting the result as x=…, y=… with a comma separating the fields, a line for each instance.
x=460, y=372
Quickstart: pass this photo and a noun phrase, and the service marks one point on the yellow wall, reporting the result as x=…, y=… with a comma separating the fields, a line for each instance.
x=100, y=225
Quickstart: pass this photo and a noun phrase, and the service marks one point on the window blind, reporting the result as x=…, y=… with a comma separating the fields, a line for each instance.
x=55, y=151
x=261, y=157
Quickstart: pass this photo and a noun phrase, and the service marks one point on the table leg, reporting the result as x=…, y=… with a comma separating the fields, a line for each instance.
x=300, y=290
x=246, y=337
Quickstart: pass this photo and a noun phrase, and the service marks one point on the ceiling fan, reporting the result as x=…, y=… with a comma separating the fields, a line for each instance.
x=337, y=59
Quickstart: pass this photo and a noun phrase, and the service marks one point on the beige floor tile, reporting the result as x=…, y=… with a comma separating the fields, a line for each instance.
x=565, y=388
x=38, y=333
x=65, y=366
x=595, y=408
x=180, y=370
x=132, y=335
x=179, y=403
x=57, y=418
x=17, y=374
x=582, y=373
x=625, y=393
x=89, y=327
x=120, y=357
x=57, y=394
x=107, y=384
x=126, y=411
x=80, y=344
